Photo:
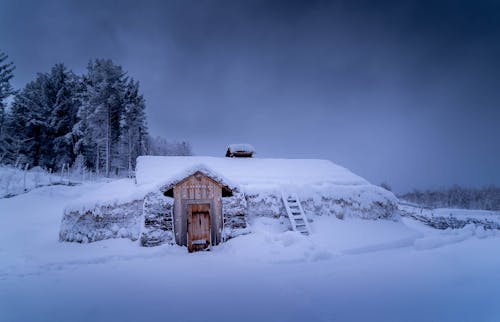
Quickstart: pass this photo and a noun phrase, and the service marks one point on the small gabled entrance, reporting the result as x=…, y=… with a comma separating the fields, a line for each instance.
x=198, y=227
x=197, y=214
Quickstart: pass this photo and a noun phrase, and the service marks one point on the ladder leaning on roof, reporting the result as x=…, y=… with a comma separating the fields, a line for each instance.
x=295, y=213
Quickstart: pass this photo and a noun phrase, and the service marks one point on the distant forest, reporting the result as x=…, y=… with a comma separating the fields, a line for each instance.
x=96, y=120
x=487, y=198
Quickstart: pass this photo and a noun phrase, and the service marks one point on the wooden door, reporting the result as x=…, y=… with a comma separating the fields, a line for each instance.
x=198, y=227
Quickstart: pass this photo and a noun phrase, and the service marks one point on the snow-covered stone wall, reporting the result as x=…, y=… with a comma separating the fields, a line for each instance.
x=158, y=225
x=349, y=208
x=102, y=222
x=234, y=210
x=122, y=209
x=359, y=203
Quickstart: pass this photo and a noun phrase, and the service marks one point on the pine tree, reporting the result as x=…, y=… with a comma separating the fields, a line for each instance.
x=6, y=90
x=28, y=126
x=102, y=107
x=63, y=90
x=99, y=117
x=134, y=129
x=42, y=117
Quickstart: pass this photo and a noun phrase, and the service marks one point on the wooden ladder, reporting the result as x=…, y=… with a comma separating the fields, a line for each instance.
x=295, y=213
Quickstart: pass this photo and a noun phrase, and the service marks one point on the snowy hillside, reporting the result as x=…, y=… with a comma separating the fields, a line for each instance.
x=346, y=270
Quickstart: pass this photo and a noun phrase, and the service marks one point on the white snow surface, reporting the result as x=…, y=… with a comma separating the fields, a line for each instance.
x=346, y=270
x=108, y=193
x=241, y=147
x=252, y=174
x=309, y=178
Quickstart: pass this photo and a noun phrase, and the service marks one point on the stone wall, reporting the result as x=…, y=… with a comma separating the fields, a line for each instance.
x=348, y=208
x=271, y=205
x=158, y=225
x=449, y=222
x=102, y=222
x=151, y=219
x=234, y=210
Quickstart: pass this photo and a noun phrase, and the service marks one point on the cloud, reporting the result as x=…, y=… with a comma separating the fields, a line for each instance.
x=404, y=92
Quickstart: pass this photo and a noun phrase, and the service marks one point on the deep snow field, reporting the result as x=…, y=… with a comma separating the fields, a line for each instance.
x=347, y=270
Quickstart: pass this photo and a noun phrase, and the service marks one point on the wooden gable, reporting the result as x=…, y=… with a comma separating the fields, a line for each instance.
x=198, y=189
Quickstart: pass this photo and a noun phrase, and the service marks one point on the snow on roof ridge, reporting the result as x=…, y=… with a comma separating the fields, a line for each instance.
x=200, y=167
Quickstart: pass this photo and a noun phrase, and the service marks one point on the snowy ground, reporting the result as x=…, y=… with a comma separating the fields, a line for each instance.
x=347, y=270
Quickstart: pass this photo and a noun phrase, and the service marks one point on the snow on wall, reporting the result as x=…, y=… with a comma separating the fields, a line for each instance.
x=102, y=222
x=158, y=225
x=365, y=202
x=234, y=210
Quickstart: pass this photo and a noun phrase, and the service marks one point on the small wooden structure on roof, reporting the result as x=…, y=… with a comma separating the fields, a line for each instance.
x=197, y=213
x=241, y=150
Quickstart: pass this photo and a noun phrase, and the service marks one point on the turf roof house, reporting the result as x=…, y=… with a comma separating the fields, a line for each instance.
x=202, y=201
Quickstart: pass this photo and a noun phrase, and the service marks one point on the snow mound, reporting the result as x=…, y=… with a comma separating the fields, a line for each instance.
x=323, y=187
x=253, y=174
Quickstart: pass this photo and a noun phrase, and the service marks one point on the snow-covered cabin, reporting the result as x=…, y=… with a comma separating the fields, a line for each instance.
x=202, y=201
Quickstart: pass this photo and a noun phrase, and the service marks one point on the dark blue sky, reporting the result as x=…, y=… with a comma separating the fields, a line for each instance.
x=406, y=92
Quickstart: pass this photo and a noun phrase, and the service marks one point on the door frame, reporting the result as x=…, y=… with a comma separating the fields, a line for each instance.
x=213, y=226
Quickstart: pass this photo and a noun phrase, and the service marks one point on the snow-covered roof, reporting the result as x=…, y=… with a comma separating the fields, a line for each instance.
x=174, y=178
x=309, y=178
x=252, y=174
x=241, y=147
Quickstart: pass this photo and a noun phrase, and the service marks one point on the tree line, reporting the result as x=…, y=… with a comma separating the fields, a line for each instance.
x=487, y=198
x=97, y=120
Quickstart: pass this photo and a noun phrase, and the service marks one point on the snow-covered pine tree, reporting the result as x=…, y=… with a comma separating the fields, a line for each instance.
x=134, y=128
x=6, y=90
x=102, y=107
x=28, y=126
x=42, y=117
x=62, y=93
x=83, y=138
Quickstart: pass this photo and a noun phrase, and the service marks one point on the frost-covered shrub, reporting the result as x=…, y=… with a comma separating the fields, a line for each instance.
x=14, y=181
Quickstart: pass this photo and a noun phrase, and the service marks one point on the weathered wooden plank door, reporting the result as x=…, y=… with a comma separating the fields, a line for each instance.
x=198, y=227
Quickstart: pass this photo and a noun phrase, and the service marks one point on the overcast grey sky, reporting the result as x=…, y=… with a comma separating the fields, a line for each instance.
x=406, y=92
